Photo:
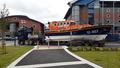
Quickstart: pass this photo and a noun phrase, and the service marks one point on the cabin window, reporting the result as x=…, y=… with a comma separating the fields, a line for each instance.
x=72, y=23
x=55, y=24
x=61, y=23
x=67, y=23
x=64, y=23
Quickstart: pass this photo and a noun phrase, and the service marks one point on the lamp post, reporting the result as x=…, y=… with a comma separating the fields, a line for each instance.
x=113, y=18
x=70, y=38
x=102, y=12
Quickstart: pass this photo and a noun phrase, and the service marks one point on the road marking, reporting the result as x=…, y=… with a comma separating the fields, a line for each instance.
x=51, y=64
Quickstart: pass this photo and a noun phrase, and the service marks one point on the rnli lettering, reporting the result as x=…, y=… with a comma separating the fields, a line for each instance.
x=88, y=32
x=92, y=31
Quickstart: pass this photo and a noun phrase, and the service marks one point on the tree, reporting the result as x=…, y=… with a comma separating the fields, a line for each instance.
x=3, y=13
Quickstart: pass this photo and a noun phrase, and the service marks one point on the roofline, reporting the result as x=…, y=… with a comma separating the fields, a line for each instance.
x=25, y=17
x=72, y=2
x=68, y=13
x=109, y=0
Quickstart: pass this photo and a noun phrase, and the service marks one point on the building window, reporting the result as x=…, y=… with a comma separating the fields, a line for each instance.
x=119, y=21
x=107, y=10
x=8, y=26
x=107, y=15
x=118, y=10
x=7, y=19
x=107, y=21
x=15, y=18
x=33, y=26
x=23, y=21
x=118, y=15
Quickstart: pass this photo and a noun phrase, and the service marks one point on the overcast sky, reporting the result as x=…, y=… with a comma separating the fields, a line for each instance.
x=41, y=10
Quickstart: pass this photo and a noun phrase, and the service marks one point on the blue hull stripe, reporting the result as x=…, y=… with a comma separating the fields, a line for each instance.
x=88, y=31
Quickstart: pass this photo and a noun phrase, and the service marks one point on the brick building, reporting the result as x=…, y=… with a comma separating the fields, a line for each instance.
x=17, y=21
x=95, y=12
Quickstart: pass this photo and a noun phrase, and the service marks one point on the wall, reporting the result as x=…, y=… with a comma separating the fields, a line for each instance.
x=24, y=21
x=106, y=16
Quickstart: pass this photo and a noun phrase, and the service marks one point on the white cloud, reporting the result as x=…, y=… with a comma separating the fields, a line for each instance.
x=41, y=10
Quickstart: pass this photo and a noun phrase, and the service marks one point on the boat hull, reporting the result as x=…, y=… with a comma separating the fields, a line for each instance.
x=78, y=37
x=91, y=33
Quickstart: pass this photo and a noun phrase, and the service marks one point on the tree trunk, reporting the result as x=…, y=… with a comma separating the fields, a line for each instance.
x=3, y=44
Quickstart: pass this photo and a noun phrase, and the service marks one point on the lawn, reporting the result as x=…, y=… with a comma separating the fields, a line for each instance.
x=12, y=54
x=106, y=59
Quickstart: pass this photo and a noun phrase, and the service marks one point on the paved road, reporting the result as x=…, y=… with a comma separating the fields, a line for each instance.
x=46, y=56
x=51, y=58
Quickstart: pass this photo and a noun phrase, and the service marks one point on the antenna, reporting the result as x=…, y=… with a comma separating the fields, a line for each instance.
x=102, y=12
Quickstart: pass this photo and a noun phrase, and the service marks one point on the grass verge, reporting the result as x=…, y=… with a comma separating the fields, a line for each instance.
x=106, y=59
x=12, y=54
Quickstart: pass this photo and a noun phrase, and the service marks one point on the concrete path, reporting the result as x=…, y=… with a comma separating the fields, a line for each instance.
x=51, y=57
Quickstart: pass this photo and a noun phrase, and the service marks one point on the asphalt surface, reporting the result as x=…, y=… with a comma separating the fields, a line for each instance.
x=46, y=56
x=73, y=66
